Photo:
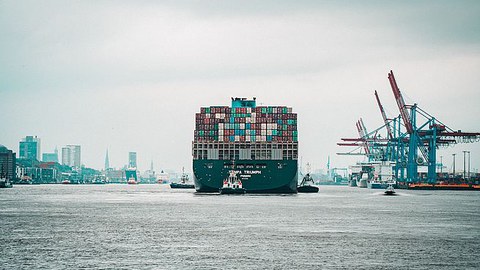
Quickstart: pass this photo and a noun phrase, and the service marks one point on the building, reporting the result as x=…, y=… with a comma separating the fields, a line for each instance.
x=30, y=148
x=50, y=157
x=71, y=156
x=132, y=159
x=7, y=163
x=107, y=162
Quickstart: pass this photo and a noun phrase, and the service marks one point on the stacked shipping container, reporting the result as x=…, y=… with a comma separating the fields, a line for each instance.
x=245, y=132
x=260, y=124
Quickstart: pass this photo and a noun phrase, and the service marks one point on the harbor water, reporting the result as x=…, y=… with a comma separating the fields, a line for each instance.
x=155, y=227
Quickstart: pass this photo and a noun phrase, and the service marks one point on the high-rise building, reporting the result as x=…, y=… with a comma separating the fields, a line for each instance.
x=71, y=156
x=50, y=157
x=30, y=148
x=7, y=163
x=132, y=159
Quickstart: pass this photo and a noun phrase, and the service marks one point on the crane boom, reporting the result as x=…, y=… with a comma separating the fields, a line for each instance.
x=401, y=103
x=362, y=132
x=384, y=116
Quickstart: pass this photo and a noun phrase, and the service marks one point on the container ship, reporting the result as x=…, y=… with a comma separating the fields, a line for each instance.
x=260, y=144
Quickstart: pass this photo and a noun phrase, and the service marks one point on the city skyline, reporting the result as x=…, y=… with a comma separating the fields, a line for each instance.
x=104, y=82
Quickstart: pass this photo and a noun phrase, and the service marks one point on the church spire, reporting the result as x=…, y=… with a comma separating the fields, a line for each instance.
x=107, y=162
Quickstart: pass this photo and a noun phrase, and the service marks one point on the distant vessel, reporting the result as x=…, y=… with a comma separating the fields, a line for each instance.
x=260, y=143
x=5, y=183
x=131, y=175
x=162, y=177
x=307, y=185
x=390, y=190
x=232, y=185
x=382, y=175
x=183, y=182
x=66, y=182
x=362, y=173
x=362, y=181
x=132, y=181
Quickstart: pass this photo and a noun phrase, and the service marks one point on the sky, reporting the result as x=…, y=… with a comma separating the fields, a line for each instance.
x=130, y=75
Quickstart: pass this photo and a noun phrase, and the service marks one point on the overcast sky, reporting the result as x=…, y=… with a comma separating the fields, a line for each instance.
x=130, y=75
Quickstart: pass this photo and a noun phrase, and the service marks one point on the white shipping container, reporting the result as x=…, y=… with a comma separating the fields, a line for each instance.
x=264, y=126
x=220, y=132
x=247, y=138
x=247, y=132
x=269, y=132
x=254, y=114
x=263, y=132
x=242, y=126
x=248, y=119
x=220, y=125
x=220, y=138
x=275, y=126
x=249, y=110
x=237, y=138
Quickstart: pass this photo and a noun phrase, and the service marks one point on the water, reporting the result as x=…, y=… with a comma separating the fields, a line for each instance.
x=154, y=227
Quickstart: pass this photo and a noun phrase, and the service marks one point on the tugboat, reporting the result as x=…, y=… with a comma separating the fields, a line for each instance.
x=232, y=185
x=307, y=185
x=390, y=191
x=183, y=182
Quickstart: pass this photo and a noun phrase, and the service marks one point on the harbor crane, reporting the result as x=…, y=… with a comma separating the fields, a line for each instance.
x=412, y=139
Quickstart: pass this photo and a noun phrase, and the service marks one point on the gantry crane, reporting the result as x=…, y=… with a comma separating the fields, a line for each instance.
x=409, y=147
x=424, y=137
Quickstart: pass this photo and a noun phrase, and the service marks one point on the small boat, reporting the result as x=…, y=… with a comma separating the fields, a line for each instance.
x=232, y=185
x=132, y=181
x=390, y=190
x=131, y=175
x=307, y=185
x=66, y=182
x=4, y=183
x=183, y=182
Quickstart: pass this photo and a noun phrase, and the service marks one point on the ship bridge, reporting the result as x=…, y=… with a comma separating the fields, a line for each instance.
x=244, y=103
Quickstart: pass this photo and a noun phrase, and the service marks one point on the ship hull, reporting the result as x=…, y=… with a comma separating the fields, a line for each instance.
x=307, y=189
x=180, y=185
x=257, y=176
x=376, y=185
